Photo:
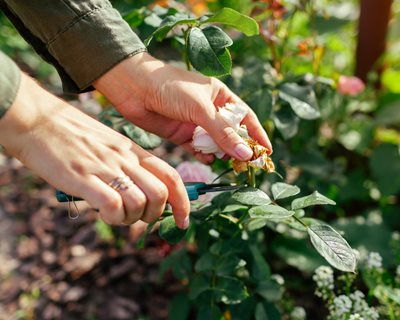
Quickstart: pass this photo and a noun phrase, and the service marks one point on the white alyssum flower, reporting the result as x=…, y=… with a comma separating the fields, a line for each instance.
x=298, y=313
x=233, y=114
x=278, y=279
x=374, y=261
x=323, y=277
x=341, y=307
x=356, y=316
x=353, y=306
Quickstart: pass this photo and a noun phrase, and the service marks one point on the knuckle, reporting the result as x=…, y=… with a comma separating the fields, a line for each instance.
x=110, y=202
x=138, y=202
x=159, y=194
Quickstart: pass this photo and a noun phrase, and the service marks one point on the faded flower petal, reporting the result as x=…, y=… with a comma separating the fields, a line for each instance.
x=203, y=142
x=233, y=114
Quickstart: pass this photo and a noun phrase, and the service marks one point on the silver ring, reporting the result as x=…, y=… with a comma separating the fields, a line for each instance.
x=121, y=183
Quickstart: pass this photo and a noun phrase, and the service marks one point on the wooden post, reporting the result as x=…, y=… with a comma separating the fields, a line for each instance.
x=372, y=31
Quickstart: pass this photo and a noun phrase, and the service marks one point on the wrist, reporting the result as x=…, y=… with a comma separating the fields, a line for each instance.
x=133, y=77
x=25, y=114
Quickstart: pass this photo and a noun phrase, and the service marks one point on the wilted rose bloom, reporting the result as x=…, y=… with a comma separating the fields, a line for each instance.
x=195, y=172
x=350, y=85
x=233, y=114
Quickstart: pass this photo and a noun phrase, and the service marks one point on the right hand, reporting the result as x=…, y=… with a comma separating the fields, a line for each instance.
x=81, y=156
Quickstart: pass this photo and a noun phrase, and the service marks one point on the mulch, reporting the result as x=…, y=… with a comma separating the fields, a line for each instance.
x=53, y=267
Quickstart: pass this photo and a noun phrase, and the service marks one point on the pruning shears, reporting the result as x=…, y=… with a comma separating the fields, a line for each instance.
x=193, y=189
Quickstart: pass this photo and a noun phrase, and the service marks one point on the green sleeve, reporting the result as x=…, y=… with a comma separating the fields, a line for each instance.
x=83, y=39
x=10, y=77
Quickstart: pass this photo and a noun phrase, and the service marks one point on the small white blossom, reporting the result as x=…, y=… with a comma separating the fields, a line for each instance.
x=374, y=261
x=356, y=316
x=278, y=279
x=340, y=307
x=359, y=304
x=298, y=313
x=323, y=277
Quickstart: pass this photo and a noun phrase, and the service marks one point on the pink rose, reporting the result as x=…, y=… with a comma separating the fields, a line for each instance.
x=195, y=172
x=350, y=85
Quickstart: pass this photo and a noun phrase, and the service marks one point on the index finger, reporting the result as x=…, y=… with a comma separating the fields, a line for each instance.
x=177, y=195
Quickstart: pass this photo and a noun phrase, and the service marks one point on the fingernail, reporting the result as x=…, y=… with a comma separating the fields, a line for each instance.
x=185, y=223
x=243, y=151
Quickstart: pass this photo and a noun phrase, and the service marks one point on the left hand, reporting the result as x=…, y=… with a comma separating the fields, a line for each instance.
x=171, y=102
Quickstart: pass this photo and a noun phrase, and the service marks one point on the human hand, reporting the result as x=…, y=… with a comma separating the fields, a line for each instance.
x=81, y=156
x=171, y=102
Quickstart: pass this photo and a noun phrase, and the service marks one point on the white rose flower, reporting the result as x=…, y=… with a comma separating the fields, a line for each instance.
x=233, y=114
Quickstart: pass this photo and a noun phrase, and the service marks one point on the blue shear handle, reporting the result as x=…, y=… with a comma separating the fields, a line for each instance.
x=192, y=189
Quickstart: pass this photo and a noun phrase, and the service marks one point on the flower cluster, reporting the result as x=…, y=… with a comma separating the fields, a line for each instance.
x=323, y=277
x=374, y=261
x=352, y=307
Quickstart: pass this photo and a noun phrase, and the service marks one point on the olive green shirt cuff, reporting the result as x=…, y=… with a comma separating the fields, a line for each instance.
x=83, y=39
x=93, y=44
x=10, y=77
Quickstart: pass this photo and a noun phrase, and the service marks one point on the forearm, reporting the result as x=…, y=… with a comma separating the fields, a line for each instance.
x=24, y=114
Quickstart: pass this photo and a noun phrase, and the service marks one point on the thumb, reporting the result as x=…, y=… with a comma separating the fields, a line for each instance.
x=226, y=137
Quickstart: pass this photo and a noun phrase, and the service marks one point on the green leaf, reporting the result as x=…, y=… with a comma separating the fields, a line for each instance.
x=234, y=19
x=269, y=212
x=286, y=122
x=168, y=24
x=260, y=269
x=230, y=290
x=179, y=307
x=302, y=99
x=206, y=262
x=282, y=190
x=198, y=284
x=141, y=137
x=209, y=313
x=204, y=58
x=270, y=290
x=333, y=247
x=150, y=226
x=261, y=103
x=251, y=196
x=313, y=199
x=385, y=167
x=260, y=313
x=217, y=38
x=169, y=231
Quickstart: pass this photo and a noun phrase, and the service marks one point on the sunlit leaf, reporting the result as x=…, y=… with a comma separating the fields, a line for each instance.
x=302, y=99
x=234, y=19
x=269, y=212
x=313, y=199
x=333, y=247
x=282, y=190
x=251, y=196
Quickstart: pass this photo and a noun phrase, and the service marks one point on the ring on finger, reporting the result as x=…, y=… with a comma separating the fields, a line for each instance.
x=121, y=183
